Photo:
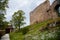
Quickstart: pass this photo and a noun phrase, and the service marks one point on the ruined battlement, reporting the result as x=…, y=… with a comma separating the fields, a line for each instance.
x=43, y=12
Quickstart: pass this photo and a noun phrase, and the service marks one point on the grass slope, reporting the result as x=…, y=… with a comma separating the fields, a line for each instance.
x=32, y=30
x=16, y=36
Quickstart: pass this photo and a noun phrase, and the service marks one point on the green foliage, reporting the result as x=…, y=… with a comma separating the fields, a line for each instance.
x=58, y=33
x=34, y=32
x=3, y=25
x=16, y=36
x=18, y=18
x=1, y=20
x=3, y=6
x=24, y=30
x=2, y=17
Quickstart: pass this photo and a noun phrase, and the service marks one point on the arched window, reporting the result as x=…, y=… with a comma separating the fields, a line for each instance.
x=57, y=8
x=58, y=1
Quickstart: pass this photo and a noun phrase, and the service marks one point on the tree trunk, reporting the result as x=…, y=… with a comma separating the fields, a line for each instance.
x=19, y=27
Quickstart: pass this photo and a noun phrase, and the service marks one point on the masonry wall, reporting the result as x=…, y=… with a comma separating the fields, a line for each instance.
x=52, y=12
x=43, y=12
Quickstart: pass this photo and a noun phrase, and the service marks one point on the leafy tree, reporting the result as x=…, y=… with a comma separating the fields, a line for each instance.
x=18, y=19
x=3, y=6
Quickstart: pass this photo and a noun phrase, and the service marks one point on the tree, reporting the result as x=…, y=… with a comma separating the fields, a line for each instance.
x=3, y=6
x=18, y=18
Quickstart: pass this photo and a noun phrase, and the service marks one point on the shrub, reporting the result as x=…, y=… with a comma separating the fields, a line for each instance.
x=24, y=30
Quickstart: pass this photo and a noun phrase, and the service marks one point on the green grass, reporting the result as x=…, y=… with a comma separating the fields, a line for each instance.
x=35, y=27
x=32, y=29
x=16, y=36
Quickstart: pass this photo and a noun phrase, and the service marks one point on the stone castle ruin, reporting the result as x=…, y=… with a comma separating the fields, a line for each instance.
x=45, y=11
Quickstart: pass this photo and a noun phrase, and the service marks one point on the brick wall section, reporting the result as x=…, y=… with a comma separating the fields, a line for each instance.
x=53, y=13
x=43, y=12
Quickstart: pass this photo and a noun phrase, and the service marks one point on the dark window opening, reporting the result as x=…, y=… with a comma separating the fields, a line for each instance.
x=58, y=1
x=57, y=8
x=48, y=10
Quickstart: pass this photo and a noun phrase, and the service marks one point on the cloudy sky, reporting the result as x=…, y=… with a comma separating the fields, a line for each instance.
x=25, y=5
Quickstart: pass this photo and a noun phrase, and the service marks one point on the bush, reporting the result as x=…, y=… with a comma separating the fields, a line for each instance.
x=58, y=34
x=24, y=30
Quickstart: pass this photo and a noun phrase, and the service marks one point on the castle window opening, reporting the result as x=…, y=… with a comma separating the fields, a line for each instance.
x=58, y=1
x=59, y=11
x=57, y=8
x=48, y=10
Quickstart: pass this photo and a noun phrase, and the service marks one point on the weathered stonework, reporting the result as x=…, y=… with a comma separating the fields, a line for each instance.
x=43, y=12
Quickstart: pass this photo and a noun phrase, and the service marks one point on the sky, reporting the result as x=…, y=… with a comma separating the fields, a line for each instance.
x=26, y=5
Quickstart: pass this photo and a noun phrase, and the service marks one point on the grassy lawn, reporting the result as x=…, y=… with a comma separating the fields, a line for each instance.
x=16, y=36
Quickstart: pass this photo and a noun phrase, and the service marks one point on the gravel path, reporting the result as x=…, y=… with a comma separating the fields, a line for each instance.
x=5, y=37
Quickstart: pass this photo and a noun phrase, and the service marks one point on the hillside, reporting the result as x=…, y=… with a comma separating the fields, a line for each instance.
x=39, y=31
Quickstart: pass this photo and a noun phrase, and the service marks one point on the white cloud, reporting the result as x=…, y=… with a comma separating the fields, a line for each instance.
x=51, y=1
x=39, y=2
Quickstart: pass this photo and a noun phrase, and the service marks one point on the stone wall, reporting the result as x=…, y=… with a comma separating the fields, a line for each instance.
x=43, y=12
